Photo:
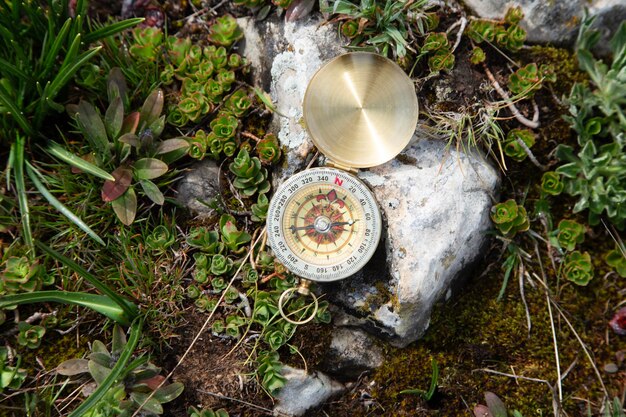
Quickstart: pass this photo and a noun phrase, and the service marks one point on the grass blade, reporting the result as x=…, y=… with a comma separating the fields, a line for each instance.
x=100, y=303
x=112, y=29
x=20, y=186
x=116, y=372
x=30, y=170
x=16, y=113
x=129, y=308
x=54, y=49
x=78, y=162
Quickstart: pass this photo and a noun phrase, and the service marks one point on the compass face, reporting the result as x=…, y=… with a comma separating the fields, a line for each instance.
x=323, y=224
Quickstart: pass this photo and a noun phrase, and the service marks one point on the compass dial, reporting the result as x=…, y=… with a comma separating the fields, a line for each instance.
x=323, y=224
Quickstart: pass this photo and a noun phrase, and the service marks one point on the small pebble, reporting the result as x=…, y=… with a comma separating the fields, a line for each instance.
x=610, y=368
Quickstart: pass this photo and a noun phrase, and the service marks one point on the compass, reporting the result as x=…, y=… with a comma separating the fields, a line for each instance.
x=324, y=224
x=360, y=109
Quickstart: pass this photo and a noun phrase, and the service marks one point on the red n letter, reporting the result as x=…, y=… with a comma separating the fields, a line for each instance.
x=338, y=181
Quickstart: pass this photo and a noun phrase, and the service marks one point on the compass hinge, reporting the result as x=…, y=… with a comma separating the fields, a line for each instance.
x=333, y=164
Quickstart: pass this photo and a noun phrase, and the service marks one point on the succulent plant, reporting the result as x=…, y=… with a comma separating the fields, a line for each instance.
x=251, y=178
x=617, y=260
x=506, y=33
x=238, y=103
x=250, y=275
x=11, y=377
x=206, y=240
x=146, y=43
x=20, y=274
x=478, y=55
x=268, y=149
x=204, y=303
x=551, y=183
x=529, y=79
x=193, y=291
x=220, y=265
x=30, y=335
x=570, y=233
x=217, y=327
x=435, y=41
x=134, y=389
x=232, y=237
x=268, y=369
x=481, y=30
x=160, y=239
x=231, y=295
x=512, y=147
x=514, y=15
x=259, y=209
x=224, y=126
x=225, y=31
x=219, y=283
x=350, y=29
x=577, y=267
x=510, y=218
x=275, y=339
x=442, y=60
x=198, y=145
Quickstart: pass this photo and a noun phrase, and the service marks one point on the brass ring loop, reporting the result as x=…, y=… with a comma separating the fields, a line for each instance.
x=284, y=297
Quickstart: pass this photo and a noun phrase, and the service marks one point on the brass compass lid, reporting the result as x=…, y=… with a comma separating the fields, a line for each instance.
x=360, y=109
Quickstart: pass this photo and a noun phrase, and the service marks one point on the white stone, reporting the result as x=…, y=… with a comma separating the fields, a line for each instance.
x=199, y=187
x=304, y=391
x=351, y=353
x=436, y=203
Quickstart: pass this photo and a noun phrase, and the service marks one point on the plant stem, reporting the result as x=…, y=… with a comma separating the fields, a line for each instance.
x=533, y=124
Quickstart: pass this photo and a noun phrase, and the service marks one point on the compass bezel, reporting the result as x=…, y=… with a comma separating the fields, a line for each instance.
x=345, y=183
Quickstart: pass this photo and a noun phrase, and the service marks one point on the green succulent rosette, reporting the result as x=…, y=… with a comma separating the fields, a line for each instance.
x=510, y=218
x=570, y=234
x=225, y=31
x=442, y=60
x=224, y=125
x=477, y=56
x=481, y=30
x=577, y=267
x=514, y=15
x=30, y=335
x=220, y=265
x=160, y=239
x=268, y=149
x=251, y=178
x=551, y=183
x=617, y=261
x=435, y=41
x=350, y=28
x=513, y=149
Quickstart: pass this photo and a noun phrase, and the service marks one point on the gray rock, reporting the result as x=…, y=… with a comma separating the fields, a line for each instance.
x=304, y=391
x=352, y=352
x=557, y=22
x=286, y=56
x=436, y=203
x=199, y=186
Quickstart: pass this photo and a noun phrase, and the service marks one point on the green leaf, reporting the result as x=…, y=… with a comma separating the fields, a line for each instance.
x=20, y=187
x=171, y=145
x=91, y=125
x=169, y=392
x=151, y=109
x=100, y=303
x=112, y=29
x=267, y=100
x=152, y=191
x=129, y=138
x=115, y=374
x=15, y=112
x=125, y=207
x=98, y=371
x=129, y=308
x=73, y=367
x=114, y=117
x=57, y=150
x=119, y=340
x=495, y=404
x=147, y=403
x=30, y=170
x=63, y=76
x=149, y=168
x=53, y=52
